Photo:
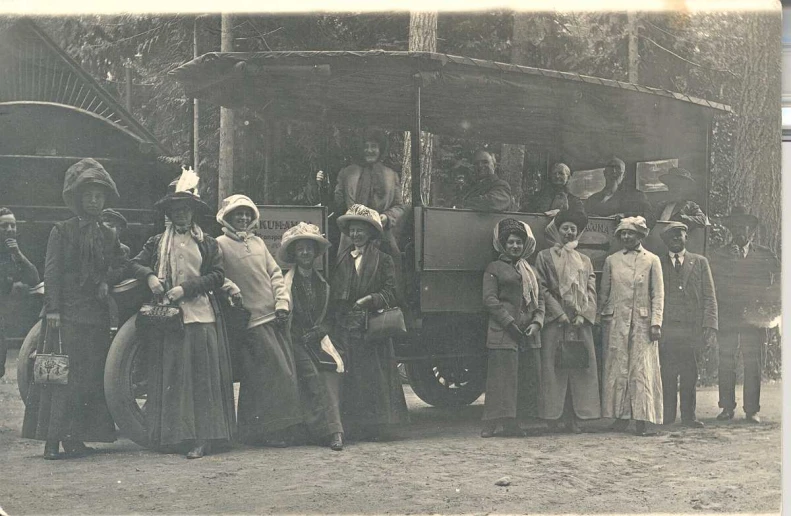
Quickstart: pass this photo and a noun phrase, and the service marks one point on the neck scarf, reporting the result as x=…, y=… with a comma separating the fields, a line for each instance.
x=529, y=279
x=572, y=274
x=239, y=236
x=162, y=266
x=92, y=263
x=370, y=184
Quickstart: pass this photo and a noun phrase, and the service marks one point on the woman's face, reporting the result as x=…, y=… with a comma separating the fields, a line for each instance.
x=371, y=151
x=359, y=233
x=7, y=227
x=629, y=238
x=240, y=218
x=514, y=246
x=568, y=231
x=92, y=198
x=181, y=214
x=305, y=253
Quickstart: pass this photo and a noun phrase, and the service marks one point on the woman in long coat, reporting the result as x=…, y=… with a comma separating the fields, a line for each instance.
x=364, y=281
x=568, y=285
x=190, y=389
x=319, y=364
x=513, y=299
x=83, y=259
x=630, y=304
x=268, y=391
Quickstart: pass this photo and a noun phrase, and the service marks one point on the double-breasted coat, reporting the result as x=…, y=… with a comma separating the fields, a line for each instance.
x=631, y=300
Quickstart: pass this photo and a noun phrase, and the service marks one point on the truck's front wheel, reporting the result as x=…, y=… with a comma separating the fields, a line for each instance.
x=451, y=382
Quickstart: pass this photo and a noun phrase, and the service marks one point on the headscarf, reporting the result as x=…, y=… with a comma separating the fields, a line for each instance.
x=85, y=172
x=229, y=205
x=572, y=273
x=529, y=279
x=636, y=224
x=162, y=264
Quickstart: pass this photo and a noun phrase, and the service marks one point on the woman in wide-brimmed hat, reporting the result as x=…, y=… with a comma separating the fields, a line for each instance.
x=318, y=362
x=568, y=285
x=83, y=259
x=512, y=298
x=631, y=304
x=268, y=392
x=364, y=281
x=190, y=389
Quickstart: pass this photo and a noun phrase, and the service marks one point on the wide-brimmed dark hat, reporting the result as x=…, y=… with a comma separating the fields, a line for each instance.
x=678, y=178
x=110, y=213
x=577, y=217
x=740, y=216
x=197, y=204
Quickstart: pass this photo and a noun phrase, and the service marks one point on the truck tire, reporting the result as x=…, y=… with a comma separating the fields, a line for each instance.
x=119, y=387
x=24, y=364
x=451, y=382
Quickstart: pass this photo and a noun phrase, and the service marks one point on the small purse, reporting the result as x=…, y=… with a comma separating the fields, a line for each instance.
x=385, y=324
x=51, y=368
x=572, y=353
x=156, y=317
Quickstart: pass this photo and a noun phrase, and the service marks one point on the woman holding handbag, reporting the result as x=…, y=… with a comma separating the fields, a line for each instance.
x=83, y=259
x=319, y=365
x=569, y=380
x=190, y=390
x=268, y=391
x=516, y=312
x=364, y=282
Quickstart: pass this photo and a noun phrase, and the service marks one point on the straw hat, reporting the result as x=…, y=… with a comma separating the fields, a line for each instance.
x=302, y=231
x=361, y=213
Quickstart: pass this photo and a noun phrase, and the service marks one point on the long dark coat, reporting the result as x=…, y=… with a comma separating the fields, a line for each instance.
x=12, y=270
x=78, y=410
x=204, y=409
x=372, y=393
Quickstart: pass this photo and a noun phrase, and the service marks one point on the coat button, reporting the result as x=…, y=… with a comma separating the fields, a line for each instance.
x=680, y=287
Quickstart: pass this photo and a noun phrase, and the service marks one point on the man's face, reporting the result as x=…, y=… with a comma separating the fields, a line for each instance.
x=676, y=241
x=559, y=176
x=613, y=175
x=111, y=224
x=7, y=227
x=742, y=234
x=484, y=166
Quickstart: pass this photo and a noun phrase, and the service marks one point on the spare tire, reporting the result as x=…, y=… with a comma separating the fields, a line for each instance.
x=24, y=364
x=125, y=398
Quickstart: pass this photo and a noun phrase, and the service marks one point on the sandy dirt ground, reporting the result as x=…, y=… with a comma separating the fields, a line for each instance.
x=438, y=464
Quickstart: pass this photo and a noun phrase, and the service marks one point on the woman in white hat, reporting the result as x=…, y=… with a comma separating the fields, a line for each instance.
x=631, y=302
x=364, y=281
x=268, y=392
x=83, y=259
x=190, y=388
x=318, y=361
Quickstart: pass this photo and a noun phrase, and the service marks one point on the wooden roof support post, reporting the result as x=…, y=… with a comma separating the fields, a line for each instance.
x=417, y=198
x=225, y=180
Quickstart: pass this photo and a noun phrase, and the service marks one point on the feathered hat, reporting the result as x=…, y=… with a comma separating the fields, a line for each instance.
x=186, y=190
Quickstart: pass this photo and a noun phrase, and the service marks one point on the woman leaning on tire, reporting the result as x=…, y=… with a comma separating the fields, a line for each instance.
x=190, y=389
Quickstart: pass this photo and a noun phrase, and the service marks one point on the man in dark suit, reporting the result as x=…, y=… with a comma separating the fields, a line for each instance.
x=748, y=290
x=489, y=192
x=690, y=320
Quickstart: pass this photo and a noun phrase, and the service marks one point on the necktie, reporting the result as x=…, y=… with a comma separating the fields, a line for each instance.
x=677, y=263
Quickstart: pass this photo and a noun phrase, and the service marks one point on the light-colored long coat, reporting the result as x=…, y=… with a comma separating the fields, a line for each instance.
x=631, y=300
x=584, y=383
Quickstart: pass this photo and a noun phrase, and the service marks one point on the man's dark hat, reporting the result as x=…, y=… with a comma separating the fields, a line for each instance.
x=740, y=216
x=110, y=213
x=577, y=217
x=678, y=177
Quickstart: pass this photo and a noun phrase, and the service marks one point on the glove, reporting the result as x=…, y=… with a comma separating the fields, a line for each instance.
x=312, y=336
x=281, y=318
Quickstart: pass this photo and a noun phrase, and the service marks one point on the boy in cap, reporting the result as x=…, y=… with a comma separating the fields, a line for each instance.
x=690, y=319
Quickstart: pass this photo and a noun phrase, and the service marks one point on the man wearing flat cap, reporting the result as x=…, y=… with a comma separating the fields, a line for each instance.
x=690, y=320
x=681, y=185
x=747, y=277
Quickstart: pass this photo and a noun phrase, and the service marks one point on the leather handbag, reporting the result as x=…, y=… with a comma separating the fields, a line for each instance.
x=159, y=317
x=571, y=353
x=384, y=324
x=51, y=368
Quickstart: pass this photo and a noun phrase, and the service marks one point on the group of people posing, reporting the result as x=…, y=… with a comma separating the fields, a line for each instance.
x=298, y=342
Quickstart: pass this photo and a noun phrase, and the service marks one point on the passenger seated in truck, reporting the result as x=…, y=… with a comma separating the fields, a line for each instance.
x=678, y=208
x=554, y=196
x=620, y=197
x=488, y=192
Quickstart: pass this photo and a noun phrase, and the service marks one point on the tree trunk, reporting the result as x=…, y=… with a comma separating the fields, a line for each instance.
x=422, y=38
x=225, y=173
x=756, y=176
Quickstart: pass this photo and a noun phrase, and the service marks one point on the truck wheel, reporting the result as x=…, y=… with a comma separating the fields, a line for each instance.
x=24, y=364
x=124, y=383
x=452, y=382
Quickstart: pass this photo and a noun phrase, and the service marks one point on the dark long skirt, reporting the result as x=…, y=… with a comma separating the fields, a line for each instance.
x=512, y=384
x=269, y=390
x=372, y=392
x=191, y=392
x=320, y=392
x=78, y=410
